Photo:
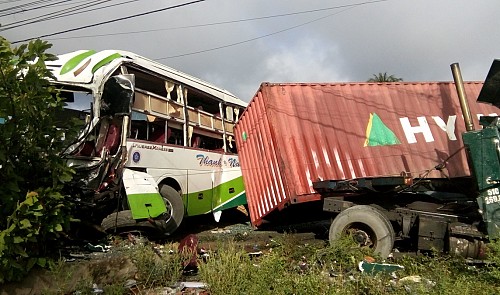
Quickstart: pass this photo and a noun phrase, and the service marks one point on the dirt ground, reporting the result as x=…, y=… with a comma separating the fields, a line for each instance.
x=234, y=225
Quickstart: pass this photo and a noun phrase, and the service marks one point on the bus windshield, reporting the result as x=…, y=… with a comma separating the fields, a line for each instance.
x=77, y=104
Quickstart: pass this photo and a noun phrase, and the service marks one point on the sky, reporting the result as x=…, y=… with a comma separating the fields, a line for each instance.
x=238, y=44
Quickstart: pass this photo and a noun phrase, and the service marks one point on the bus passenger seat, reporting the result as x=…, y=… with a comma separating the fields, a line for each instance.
x=86, y=149
x=196, y=142
x=159, y=135
x=112, y=139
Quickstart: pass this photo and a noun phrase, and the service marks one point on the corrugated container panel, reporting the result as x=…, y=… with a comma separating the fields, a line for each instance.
x=291, y=135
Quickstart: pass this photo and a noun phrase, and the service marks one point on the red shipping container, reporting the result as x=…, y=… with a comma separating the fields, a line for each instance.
x=291, y=135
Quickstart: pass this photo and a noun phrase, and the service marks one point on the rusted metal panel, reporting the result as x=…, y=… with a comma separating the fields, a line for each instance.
x=291, y=135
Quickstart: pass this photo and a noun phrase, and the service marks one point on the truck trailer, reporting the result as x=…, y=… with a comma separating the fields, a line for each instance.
x=390, y=161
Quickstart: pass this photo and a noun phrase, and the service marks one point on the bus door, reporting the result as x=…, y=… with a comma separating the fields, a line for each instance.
x=199, y=191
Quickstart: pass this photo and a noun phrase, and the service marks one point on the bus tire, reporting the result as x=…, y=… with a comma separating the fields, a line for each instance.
x=120, y=221
x=175, y=207
x=368, y=226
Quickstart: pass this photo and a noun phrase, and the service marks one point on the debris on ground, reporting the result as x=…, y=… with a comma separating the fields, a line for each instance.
x=374, y=268
x=255, y=254
x=220, y=231
x=189, y=247
x=96, y=289
x=416, y=279
x=97, y=248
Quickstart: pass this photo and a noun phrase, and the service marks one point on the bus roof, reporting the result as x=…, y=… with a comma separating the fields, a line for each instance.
x=88, y=67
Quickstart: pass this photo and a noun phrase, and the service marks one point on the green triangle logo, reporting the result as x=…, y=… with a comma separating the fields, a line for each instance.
x=378, y=134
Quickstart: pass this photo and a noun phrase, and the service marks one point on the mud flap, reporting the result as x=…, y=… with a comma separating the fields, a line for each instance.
x=217, y=215
x=143, y=196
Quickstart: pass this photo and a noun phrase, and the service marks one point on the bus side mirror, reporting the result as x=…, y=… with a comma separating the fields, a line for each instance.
x=118, y=95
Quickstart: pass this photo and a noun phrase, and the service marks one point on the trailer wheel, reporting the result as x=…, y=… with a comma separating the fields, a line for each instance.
x=175, y=207
x=367, y=225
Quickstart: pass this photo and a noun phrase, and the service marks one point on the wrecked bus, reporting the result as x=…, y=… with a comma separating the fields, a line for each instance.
x=157, y=144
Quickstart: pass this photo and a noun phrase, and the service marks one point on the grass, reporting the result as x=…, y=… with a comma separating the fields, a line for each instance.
x=149, y=265
x=285, y=267
x=293, y=269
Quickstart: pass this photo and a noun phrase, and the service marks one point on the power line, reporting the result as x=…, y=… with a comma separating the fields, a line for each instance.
x=68, y=11
x=92, y=10
x=51, y=15
x=347, y=7
x=71, y=11
x=40, y=7
x=111, y=21
x=43, y=6
x=9, y=1
x=22, y=7
x=210, y=24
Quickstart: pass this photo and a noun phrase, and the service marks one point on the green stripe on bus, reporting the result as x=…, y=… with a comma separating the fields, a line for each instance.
x=104, y=61
x=206, y=201
x=74, y=61
x=234, y=202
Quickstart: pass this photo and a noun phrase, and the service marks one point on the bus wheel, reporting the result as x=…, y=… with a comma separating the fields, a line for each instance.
x=121, y=221
x=367, y=225
x=175, y=208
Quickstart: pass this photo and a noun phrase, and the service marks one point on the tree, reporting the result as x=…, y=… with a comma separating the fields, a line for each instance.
x=33, y=210
x=383, y=77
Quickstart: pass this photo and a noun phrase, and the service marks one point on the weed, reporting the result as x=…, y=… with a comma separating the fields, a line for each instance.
x=493, y=256
x=343, y=255
x=228, y=271
x=155, y=266
x=289, y=268
x=65, y=278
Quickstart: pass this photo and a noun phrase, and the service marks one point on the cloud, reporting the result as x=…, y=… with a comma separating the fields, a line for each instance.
x=306, y=60
x=414, y=40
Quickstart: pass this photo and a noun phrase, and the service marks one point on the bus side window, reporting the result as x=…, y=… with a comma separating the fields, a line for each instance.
x=138, y=128
x=175, y=136
x=231, y=145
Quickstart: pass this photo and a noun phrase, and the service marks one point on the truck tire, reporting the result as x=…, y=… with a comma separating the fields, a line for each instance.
x=368, y=226
x=175, y=207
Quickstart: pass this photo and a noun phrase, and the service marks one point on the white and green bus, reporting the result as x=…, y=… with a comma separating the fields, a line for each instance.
x=157, y=144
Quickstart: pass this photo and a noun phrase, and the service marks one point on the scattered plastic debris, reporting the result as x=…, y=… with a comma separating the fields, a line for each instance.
x=255, y=254
x=194, y=285
x=203, y=254
x=96, y=289
x=78, y=255
x=303, y=266
x=374, y=268
x=417, y=279
x=194, y=288
x=273, y=243
x=130, y=284
x=369, y=259
x=97, y=248
x=221, y=231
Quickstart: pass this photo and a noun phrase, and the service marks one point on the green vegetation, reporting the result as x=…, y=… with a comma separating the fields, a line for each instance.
x=33, y=211
x=334, y=270
x=286, y=266
x=148, y=264
x=384, y=77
